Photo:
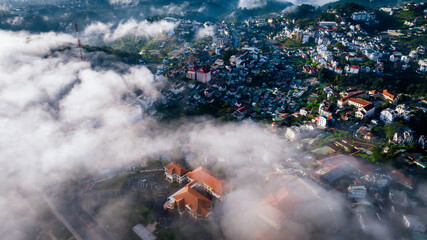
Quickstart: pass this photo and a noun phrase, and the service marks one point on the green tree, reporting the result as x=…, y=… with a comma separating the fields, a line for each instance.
x=391, y=128
x=377, y=155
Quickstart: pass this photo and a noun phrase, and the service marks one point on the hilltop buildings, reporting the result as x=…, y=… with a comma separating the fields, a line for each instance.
x=197, y=196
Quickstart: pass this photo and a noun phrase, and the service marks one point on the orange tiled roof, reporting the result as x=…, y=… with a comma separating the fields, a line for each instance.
x=194, y=200
x=384, y=92
x=388, y=94
x=404, y=179
x=282, y=205
x=203, y=175
x=375, y=91
x=360, y=101
x=260, y=236
x=175, y=168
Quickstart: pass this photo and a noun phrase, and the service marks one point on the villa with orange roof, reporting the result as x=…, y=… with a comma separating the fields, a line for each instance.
x=201, y=177
x=197, y=196
x=191, y=201
x=175, y=173
x=385, y=94
x=278, y=206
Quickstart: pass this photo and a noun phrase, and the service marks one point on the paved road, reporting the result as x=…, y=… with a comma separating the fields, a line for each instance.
x=81, y=224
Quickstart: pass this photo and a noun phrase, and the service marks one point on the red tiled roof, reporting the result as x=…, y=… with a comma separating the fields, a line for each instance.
x=280, y=205
x=203, y=175
x=402, y=178
x=384, y=92
x=388, y=94
x=175, y=168
x=194, y=200
x=360, y=101
x=203, y=70
x=194, y=69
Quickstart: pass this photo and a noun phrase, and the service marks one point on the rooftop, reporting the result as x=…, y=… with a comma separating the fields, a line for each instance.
x=175, y=168
x=203, y=175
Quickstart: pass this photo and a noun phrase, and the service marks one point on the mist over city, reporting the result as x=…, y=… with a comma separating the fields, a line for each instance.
x=243, y=119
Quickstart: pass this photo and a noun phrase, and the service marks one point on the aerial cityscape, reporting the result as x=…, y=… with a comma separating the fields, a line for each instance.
x=235, y=120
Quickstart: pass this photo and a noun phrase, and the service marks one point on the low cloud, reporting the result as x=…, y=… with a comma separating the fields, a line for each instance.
x=122, y=2
x=50, y=105
x=170, y=9
x=205, y=31
x=249, y=4
x=109, y=32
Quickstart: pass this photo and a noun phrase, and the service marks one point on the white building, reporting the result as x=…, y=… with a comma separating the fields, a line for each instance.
x=404, y=136
x=423, y=141
x=414, y=223
x=356, y=192
x=135, y=113
x=204, y=75
x=293, y=133
x=387, y=115
x=352, y=69
x=403, y=112
x=327, y=24
x=361, y=16
x=365, y=111
x=323, y=122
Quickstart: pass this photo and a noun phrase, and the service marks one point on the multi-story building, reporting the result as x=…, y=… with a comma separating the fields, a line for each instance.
x=387, y=115
x=404, y=136
x=191, y=73
x=204, y=75
x=175, y=173
x=356, y=192
x=196, y=198
x=293, y=133
x=365, y=111
x=414, y=223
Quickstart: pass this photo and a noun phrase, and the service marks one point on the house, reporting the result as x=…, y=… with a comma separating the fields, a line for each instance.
x=385, y=94
x=354, y=58
x=402, y=179
x=404, y=136
x=204, y=75
x=403, y=112
x=356, y=192
x=387, y=115
x=279, y=206
x=324, y=109
x=189, y=200
x=389, y=96
x=358, y=102
x=191, y=73
x=365, y=111
x=353, y=69
x=322, y=122
x=423, y=141
x=293, y=133
x=361, y=16
x=365, y=132
x=143, y=233
x=203, y=177
x=303, y=111
x=414, y=223
x=328, y=24
x=135, y=114
x=174, y=172
x=338, y=71
x=196, y=197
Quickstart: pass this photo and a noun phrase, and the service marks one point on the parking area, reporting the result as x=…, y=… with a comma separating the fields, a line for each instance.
x=149, y=181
